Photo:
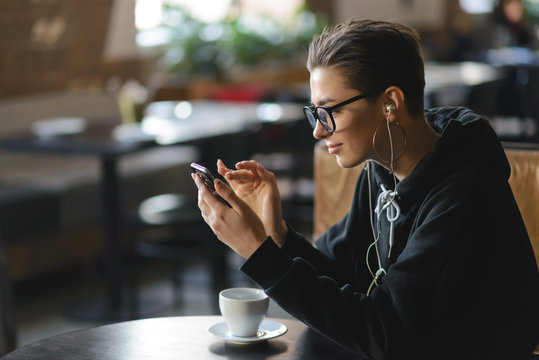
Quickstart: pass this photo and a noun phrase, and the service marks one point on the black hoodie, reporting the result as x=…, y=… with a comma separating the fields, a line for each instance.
x=461, y=281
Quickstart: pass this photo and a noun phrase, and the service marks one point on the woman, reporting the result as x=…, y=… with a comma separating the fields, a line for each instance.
x=433, y=260
x=510, y=26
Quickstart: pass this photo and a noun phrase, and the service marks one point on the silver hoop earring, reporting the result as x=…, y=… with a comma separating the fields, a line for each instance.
x=404, y=144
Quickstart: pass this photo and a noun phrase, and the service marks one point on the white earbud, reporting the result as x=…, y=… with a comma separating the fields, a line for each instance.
x=390, y=108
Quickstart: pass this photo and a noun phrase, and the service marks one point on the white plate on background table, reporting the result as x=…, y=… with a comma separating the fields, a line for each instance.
x=268, y=330
x=51, y=127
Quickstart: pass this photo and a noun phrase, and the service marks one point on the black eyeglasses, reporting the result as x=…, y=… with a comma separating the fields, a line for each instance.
x=324, y=114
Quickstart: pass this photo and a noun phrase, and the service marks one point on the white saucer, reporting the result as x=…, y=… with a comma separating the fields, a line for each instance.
x=268, y=330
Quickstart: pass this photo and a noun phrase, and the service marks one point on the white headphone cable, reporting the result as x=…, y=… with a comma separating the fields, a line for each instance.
x=390, y=206
x=376, y=236
x=392, y=153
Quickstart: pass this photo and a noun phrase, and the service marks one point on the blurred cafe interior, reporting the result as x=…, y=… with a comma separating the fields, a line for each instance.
x=105, y=103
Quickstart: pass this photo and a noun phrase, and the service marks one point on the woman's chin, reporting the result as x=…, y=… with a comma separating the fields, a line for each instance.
x=342, y=162
x=347, y=163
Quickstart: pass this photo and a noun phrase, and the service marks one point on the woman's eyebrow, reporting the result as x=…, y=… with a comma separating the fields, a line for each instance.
x=324, y=101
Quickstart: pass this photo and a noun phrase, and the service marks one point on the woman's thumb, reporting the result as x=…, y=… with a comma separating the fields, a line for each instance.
x=226, y=192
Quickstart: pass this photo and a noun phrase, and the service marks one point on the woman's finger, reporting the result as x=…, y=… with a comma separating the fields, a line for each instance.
x=222, y=168
x=207, y=200
x=199, y=183
x=247, y=164
x=227, y=194
x=203, y=194
x=242, y=176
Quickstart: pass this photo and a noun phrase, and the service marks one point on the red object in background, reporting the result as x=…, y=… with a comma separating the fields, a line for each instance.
x=248, y=92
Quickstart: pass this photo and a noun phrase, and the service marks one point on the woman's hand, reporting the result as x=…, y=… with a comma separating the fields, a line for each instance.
x=238, y=227
x=257, y=187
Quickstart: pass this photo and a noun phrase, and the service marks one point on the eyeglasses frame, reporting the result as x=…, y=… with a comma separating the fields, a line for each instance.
x=329, y=109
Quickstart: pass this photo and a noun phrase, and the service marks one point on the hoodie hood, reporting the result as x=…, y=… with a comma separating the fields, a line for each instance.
x=466, y=138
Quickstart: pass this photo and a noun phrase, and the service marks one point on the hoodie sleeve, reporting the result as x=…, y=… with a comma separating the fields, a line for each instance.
x=327, y=260
x=334, y=252
x=295, y=247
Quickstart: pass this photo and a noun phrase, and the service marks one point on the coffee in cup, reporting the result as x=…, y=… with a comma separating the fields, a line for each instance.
x=243, y=310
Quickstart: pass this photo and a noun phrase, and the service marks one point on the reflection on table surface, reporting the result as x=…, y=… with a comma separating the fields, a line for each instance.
x=178, y=338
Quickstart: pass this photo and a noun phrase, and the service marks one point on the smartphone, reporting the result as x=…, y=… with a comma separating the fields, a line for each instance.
x=208, y=179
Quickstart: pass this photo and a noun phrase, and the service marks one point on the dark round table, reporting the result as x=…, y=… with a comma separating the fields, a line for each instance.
x=183, y=337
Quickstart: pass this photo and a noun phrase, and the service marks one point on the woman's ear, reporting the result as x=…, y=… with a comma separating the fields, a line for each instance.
x=393, y=102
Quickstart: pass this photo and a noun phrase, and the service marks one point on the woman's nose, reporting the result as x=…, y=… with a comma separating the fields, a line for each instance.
x=319, y=132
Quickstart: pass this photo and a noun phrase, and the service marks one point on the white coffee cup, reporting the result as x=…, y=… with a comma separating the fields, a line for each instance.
x=243, y=310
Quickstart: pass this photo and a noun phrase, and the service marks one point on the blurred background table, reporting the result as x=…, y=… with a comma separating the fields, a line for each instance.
x=217, y=129
x=94, y=142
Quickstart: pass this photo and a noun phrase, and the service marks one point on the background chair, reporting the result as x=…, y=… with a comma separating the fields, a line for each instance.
x=510, y=103
x=8, y=333
x=170, y=227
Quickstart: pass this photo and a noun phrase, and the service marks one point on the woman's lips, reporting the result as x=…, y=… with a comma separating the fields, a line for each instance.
x=333, y=149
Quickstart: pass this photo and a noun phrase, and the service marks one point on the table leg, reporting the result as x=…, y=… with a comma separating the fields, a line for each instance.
x=110, y=306
x=111, y=211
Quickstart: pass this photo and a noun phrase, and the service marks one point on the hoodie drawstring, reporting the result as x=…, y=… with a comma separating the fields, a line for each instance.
x=386, y=201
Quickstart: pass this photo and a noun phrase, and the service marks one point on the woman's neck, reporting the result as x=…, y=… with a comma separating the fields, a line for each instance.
x=421, y=139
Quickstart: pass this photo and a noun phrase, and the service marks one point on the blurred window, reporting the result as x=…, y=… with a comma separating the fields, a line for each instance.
x=150, y=16
x=477, y=6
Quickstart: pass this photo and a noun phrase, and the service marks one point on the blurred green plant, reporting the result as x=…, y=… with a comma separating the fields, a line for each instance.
x=532, y=10
x=235, y=43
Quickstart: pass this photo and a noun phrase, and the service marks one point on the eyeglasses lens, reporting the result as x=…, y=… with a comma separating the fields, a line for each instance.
x=310, y=116
x=322, y=114
x=325, y=118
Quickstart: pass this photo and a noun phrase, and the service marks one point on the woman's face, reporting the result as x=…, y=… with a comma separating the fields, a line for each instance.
x=514, y=10
x=355, y=123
